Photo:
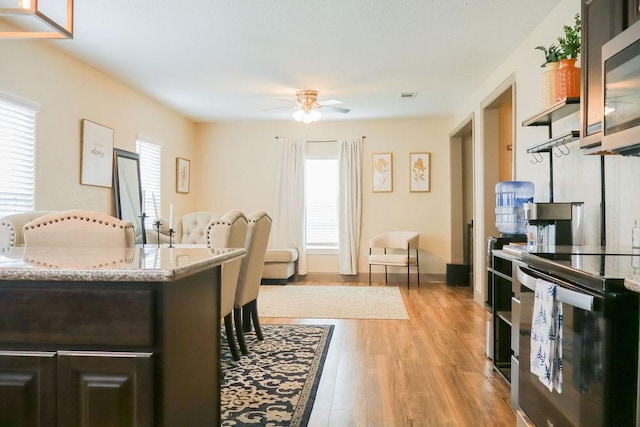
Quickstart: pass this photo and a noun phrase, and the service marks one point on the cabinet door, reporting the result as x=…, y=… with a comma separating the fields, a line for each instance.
x=601, y=21
x=105, y=389
x=27, y=389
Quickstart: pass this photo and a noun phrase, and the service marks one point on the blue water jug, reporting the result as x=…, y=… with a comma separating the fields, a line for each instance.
x=510, y=196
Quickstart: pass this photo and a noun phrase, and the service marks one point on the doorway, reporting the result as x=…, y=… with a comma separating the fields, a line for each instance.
x=462, y=194
x=497, y=164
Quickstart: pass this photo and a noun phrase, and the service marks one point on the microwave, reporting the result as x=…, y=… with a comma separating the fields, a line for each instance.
x=621, y=92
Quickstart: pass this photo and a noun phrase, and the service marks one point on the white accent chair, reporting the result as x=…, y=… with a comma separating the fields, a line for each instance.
x=230, y=231
x=399, y=249
x=246, y=301
x=79, y=229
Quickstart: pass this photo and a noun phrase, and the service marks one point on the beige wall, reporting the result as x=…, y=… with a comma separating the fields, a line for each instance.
x=236, y=168
x=69, y=91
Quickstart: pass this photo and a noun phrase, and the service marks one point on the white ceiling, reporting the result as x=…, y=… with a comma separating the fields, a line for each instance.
x=230, y=59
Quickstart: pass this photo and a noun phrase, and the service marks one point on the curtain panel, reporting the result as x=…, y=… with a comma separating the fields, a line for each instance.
x=349, y=204
x=288, y=228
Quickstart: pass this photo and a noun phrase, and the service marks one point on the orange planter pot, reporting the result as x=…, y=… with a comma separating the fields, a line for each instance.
x=567, y=80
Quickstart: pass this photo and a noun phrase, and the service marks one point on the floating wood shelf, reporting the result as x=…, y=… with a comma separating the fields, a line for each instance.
x=555, y=112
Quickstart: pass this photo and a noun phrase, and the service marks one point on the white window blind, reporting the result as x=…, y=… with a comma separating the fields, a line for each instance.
x=322, y=203
x=17, y=155
x=150, y=178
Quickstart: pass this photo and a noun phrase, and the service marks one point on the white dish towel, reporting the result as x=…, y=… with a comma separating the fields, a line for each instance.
x=546, y=336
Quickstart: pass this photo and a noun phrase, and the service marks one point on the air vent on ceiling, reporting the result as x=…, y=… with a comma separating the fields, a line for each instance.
x=408, y=95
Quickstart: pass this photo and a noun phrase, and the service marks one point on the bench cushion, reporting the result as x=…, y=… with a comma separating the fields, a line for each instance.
x=281, y=255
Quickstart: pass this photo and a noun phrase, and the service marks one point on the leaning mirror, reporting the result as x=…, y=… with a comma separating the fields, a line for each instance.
x=128, y=190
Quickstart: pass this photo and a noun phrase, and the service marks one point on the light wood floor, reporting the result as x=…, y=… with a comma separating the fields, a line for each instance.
x=430, y=370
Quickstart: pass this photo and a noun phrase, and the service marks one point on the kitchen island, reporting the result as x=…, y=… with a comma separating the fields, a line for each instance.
x=111, y=336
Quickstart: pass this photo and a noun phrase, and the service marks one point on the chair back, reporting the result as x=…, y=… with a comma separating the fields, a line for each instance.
x=12, y=226
x=192, y=228
x=230, y=231
x=395, y=240
x=258, y=231
x=80, y=229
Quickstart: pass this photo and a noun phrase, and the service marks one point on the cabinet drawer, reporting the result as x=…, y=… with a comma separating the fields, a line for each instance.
x=85, y=317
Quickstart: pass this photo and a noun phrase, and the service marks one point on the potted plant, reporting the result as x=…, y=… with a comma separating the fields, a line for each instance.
x=567, y=78
x=570, y=42
x=551, y=54
x=547, y=79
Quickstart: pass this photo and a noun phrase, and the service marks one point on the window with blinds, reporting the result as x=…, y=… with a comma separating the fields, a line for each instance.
x=150, y=178
x=322, y=203
x=17, y=155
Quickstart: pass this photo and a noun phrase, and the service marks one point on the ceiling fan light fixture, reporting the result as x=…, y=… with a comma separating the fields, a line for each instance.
x=39, y=24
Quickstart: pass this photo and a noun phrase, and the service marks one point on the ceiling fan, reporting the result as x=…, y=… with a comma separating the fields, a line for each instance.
x=308, y=106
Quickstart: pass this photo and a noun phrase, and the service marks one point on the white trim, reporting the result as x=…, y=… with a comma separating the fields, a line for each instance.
x=24, y=102
x=149, y=139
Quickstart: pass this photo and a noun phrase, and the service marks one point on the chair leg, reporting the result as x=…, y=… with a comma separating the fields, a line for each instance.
x=418, y=267
x=228, y=326
x=246, y=318
x=369, y=274
x=408, y=268
x=386, y=277
x=253, y=305
x=237, y=322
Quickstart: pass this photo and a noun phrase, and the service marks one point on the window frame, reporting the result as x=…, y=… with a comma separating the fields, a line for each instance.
x=149, y=193
x=21, y=140
x=322, y=249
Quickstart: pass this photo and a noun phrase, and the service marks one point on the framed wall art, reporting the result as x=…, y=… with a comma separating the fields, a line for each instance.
x=183, y=171
x=382, y=172
x=97, y=154
x=420, y=167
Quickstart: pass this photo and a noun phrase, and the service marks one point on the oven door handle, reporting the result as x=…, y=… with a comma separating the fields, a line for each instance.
x=564, y=295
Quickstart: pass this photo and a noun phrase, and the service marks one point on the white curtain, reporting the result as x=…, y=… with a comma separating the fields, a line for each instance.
x=349, y=203
x=288, y=227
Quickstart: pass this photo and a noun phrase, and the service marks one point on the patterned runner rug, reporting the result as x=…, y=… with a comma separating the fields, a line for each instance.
x=276, y=383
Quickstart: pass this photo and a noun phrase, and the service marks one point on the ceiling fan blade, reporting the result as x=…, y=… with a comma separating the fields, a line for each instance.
x=338, y=109
x=288, y=107
x=330, y=102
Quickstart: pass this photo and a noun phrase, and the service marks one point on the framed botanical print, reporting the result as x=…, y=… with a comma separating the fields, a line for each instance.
x=182, y=175
x=382, y=172
x=420, y=168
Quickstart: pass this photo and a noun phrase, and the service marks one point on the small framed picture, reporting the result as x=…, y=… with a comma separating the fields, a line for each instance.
x=420, y=168
x=382, y=172
x=183, y=171
x=97, y=154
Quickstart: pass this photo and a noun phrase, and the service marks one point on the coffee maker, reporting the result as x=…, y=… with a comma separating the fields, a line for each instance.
x=552, y=224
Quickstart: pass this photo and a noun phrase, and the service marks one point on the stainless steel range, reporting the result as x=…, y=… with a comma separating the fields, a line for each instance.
x=600, y=340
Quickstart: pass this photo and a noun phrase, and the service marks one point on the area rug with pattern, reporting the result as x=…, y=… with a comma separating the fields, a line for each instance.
x=276, y=383
x=331, y=302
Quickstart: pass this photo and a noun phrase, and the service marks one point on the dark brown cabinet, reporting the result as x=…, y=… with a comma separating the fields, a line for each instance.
x=601, y=21
x=27, y=386
x=75, y=388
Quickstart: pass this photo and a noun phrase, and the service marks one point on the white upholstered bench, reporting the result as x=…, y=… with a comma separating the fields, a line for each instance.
x=279, y=265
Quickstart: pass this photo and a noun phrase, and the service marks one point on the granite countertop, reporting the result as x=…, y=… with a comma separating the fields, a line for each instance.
x=632, y=283
x=139, y=264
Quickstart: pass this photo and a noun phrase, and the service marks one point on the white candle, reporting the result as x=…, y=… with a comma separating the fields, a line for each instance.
x=155, y=205
x=171, y=215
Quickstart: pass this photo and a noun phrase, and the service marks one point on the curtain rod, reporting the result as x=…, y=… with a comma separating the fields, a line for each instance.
x=327, y=140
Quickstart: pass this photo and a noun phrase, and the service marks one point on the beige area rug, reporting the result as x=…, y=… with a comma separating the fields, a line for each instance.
x=331, y=302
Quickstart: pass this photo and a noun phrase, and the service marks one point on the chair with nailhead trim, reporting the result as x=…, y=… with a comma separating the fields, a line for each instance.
x=11, y=228
x=79, y=228
x=192, y=228
x=230, y=231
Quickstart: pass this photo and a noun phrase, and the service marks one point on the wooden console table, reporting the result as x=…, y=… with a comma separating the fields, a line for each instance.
x=111, y=337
